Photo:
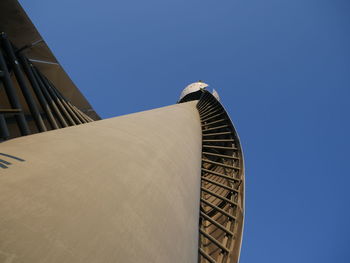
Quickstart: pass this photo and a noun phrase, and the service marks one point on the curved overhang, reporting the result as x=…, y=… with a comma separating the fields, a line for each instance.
x=23, y=35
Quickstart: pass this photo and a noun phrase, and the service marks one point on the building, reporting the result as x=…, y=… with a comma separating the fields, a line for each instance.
x=165, y=185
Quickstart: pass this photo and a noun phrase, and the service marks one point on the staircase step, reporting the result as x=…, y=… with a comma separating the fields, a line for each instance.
x=9, y=111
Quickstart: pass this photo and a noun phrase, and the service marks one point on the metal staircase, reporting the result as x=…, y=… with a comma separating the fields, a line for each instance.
x=222, y=184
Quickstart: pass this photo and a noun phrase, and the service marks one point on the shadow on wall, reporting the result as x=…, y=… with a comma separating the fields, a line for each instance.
x=5, y=163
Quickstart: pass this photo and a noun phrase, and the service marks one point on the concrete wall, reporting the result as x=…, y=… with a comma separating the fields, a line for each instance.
x=124, y=189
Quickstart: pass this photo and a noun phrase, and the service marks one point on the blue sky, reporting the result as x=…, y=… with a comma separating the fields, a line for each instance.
x=282, y=69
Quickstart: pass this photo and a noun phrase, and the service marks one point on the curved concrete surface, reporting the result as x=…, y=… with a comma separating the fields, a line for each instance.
x=124, y=189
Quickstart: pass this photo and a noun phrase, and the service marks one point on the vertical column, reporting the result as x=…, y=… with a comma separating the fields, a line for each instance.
x=49, y=98
x=57, y=99
x=4, y=132
x=67, y=104
x=21, y=82
x=12, y=96
x=82, y=114
x=44, y=104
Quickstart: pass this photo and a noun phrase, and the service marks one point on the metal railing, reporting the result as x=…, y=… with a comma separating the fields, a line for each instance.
x=222, y=185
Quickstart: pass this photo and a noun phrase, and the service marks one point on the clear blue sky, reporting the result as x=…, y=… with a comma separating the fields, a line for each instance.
x=282, y=68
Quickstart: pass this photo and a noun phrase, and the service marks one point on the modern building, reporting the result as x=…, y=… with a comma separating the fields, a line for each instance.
x=164, y=185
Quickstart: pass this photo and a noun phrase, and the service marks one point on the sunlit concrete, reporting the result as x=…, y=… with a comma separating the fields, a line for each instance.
x=124, y=189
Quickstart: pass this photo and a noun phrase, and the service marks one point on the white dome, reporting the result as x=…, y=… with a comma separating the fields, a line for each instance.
x=193, y=88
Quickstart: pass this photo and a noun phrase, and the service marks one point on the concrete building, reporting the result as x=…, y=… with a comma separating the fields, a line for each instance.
x=165, y=185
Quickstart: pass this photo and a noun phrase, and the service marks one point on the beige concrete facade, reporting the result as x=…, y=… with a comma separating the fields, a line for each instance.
x=124, y=189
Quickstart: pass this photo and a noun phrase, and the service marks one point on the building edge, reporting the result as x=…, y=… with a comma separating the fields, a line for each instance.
x=223, y=181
